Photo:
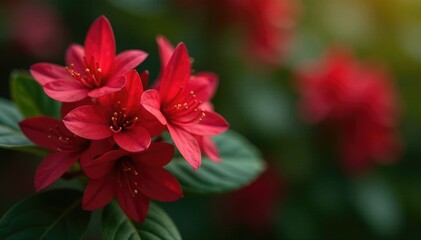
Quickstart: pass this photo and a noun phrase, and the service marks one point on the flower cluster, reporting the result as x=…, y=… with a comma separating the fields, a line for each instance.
x=112, y=127
x=359, y=105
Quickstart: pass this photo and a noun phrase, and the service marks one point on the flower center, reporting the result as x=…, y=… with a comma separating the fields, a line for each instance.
x=91, y=77
x=127, y=176
x=185, y=108
x=64, y=140
x=120, y=120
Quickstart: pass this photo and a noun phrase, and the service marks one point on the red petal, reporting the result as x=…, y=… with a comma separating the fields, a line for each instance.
x=151, y=101
x=98, y=193
x=209, y=148
x=144, y=76
x=127, y=60
x=95, y=150
x=135, y=206
x=159, y=184
x=100, y=44
x=67, y=107
x=207, y=106
x=66, y=90
x=135, y=139
x=203, y=85
x=53, y=167
x=176, y=74
x=151, y=123
x=157, y=155
x=166, y=50
x=74, y=55
x=37, y=129
x=103, y=165
x=212, y=124
x=113, y=85
x=187, y=145
x=47, y=72
x=132, y=91
x=90, y=122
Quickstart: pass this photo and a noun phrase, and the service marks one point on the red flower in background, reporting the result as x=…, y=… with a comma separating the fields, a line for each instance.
x=118, y=115
x=268, y=24
x=66, y=148
x=133, y=178
x=93, y=70
x=35, y=27
x=178, y=106
x=357, y=102
x=253, y=208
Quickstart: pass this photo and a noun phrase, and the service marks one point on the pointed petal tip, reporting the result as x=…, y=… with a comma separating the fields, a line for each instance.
x=181, y=46
x=103, y=19
x=138, y=219
x=161, y=39
x=215, y=159
x=195, y=165
x=38, y=186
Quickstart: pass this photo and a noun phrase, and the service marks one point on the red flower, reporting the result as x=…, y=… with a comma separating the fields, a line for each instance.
x=133, y=178
x=178, y=106
x=92, y=71
x=119, y=115
x=66, y=147
x=358, y=103
x=203, y=84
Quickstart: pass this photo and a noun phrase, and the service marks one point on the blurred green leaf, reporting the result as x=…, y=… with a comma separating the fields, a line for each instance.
x=11, y=137
x=378, y=205
x=55, y=214
x=30, y=97
x=158, y=225
x=10, y=134
x=241, y=164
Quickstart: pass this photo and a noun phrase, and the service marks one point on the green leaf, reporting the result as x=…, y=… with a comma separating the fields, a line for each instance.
x=241, y=164
x=55, y=214
x=30, y=97
x=379, y=206
x=158, y=225
x=11, y=137
x=10, y=133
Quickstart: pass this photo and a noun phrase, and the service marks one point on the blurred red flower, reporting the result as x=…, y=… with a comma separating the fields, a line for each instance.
x=267, y=24
x=36, y=27
x=357, y=102
x=254, y=207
